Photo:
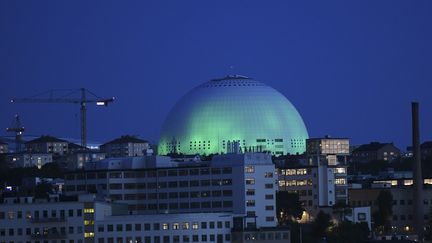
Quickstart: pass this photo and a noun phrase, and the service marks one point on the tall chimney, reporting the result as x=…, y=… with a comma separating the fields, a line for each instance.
x=417, y=173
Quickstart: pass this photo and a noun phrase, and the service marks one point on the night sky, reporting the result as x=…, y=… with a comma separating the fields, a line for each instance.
x=351, y=68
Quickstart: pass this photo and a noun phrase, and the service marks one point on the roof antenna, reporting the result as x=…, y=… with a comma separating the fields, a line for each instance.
x=231, y=71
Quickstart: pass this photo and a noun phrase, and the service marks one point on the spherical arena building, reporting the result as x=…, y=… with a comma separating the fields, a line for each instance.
x=235, y=109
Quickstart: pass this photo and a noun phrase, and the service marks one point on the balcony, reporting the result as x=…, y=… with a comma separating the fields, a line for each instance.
x=48, y=220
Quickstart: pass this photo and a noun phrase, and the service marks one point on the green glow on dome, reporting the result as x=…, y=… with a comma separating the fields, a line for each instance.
x=231, y=109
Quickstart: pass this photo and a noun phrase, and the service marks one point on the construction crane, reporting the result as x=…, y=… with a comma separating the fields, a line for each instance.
x=18, y=129
x=82, y=101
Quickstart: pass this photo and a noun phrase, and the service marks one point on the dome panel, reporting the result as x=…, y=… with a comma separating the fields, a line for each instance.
x=235, y=108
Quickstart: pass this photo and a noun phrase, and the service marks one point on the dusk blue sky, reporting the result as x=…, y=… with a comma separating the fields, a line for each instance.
x=351, y=68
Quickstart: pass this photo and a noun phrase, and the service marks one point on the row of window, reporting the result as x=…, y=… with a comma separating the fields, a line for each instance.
x=164, y=226
x=42, y=214
x=395, y=202
x=150, y=173
x=182, y=205
x=168, y=239
x=407, y=217
x=283, y=183
x=46, y=241
x=150, y=185
x=41, y=231
x=302, y=171
x=172, y=195
x=263, y=236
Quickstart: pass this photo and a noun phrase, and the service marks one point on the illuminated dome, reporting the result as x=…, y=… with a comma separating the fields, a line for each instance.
x=235, y=108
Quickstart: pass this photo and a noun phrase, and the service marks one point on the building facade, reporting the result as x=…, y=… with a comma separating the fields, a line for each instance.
x=4, y=148
x=375, y=151
x=25, y=159
x=125, y=146
x=90, y=220
x=323, y=182
x=242, y=184
x=47, y=144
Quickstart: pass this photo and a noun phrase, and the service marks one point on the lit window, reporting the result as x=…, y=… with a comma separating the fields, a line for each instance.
x=340, y=170
x=195, y=225
x=301, y=171
x=185, y=225
x=250, y=169
x=165, y=226
x=340, y=181
x=176, y=226
x=250, y=181
x=88, y=222
x=282, y=183
x=290, y=172
x=88, y=210
x=88, y=234
x=408, y=182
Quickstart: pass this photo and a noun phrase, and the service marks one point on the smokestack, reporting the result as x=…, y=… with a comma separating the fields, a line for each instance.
x=417, y=173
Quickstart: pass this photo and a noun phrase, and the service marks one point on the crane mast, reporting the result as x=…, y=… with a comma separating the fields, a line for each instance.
x=82, y=101
x=18, y=129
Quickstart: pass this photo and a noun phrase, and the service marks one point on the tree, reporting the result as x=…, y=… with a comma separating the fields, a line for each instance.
x=382, y=217
x=42, y=190
x=321, y=225
x=288, y=207
x=428, y=226
x=349, y=232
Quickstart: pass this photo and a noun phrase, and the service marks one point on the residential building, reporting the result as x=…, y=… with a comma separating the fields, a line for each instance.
x=401, y=190
x=125, y=146
x=77, y=159
x=375, y=151
x=323, y=182
x=26, y=159
x=242, y=184
x=47, y=144
x=4, y=147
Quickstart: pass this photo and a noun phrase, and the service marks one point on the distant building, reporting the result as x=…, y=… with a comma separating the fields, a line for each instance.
x=327, y=151
x=375, y=151
x=241, y=184
x=403, y=210
x=25, y=159
x=78, y=159
x=91, y=220
x=322, y=183
x=426, y=150
x=125, y=146
x=73, y=148
x=47, y=144
x=4, y=148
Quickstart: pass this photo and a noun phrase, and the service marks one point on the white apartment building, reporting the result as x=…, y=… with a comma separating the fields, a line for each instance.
x=240, y=184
